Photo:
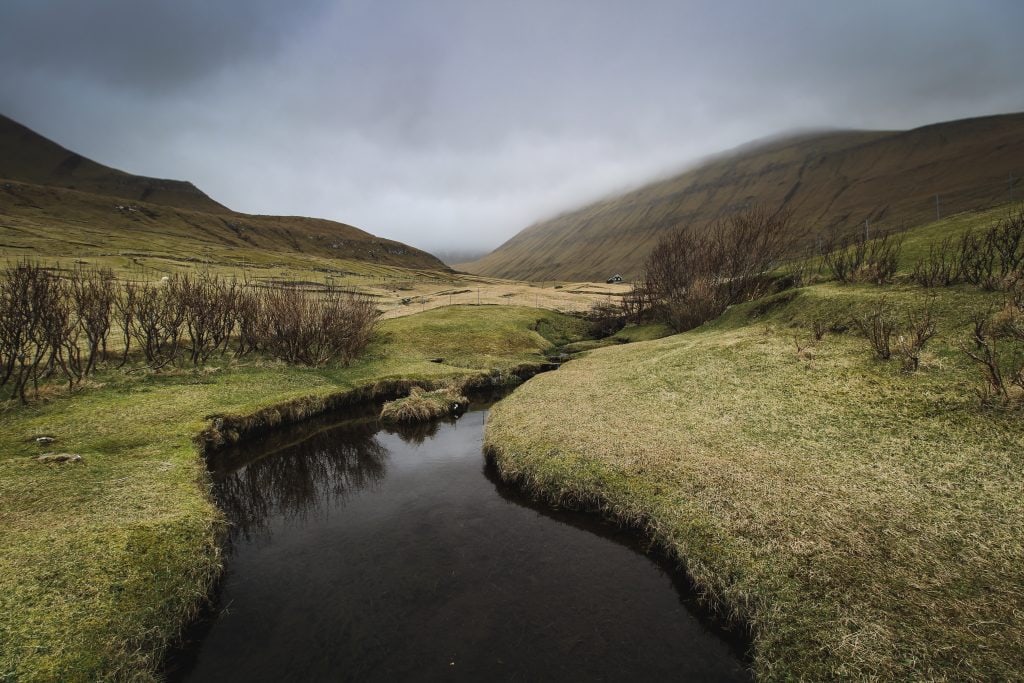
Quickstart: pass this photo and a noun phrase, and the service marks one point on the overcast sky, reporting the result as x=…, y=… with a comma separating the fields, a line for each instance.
x=454, y=124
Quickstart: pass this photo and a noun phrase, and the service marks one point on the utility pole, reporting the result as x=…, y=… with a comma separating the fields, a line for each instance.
x=865, y=229
x=1010, y=187
x=937, y=214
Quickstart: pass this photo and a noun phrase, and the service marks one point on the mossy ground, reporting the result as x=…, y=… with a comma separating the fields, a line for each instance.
x=101, y=562
x=863, y=522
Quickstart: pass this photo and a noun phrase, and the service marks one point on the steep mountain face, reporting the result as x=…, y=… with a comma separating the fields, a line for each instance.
x=55, y=202
x=29, y=157
x=831, y=181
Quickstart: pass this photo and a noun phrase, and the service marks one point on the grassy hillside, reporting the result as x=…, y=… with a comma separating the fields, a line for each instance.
x=831, y=181
x=864, y=522
x=57, y=204
x=102, y=561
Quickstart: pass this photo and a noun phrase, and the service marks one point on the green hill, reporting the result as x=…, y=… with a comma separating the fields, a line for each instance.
x=57, y=204
x=830, y=180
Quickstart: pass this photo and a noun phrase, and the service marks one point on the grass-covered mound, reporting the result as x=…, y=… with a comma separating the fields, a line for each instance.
x=861, y=520
x=421, y=405
x=103, y=560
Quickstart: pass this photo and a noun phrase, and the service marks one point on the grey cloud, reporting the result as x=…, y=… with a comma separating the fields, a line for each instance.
x=452, y=124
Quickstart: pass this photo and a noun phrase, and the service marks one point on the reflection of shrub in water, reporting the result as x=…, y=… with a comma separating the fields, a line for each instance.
x=416, y=433
x=296, y=480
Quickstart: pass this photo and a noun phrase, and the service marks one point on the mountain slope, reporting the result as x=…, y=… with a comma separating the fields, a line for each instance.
x=55, y=203
x=27, y=156
x=831, y=181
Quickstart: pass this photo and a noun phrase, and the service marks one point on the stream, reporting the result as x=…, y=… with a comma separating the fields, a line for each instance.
x=358, y=552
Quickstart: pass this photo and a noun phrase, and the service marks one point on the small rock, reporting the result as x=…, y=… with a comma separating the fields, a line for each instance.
x=436, y=360
x=59, y=457
x=45, y=439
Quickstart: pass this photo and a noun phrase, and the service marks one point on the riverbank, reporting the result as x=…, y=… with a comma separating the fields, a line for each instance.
x=863, y=522
x=103, y=560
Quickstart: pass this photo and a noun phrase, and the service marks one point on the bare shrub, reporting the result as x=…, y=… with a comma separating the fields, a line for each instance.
x=38, y=329
x=996, y=345
x=994, y=259
x=913, y=338
x=605, y=319
x=942, y=267
x=859, y=259
x=878, y=326
x=94, y=293
x=297, y=327
x=692, y=276
x=818, y=328
x=638, y=305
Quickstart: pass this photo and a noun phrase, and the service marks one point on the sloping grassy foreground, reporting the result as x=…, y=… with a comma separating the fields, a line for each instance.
x=102, y=561
x=864, y=522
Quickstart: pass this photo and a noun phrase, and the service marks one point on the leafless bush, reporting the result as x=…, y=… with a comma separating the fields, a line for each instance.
x=818, y=328
x=692, y=276
x=994, y=258
x=605, y=319
x=638, y=305
x=859, y=259
x=311, y=330
x=94, y=293
x=997, y=347
x=157, y=320
x=878, y=326
x=913, y=338
x=38, y=329
x=942, y=267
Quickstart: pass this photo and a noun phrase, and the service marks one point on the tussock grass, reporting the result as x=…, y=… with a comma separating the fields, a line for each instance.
x=102, y=561
x=861, y=521
x=421, y=405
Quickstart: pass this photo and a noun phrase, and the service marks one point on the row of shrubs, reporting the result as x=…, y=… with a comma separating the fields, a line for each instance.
x=59, y=325
x=856, y=258
x=992, y=259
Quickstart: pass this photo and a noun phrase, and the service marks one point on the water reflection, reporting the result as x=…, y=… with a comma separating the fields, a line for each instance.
x=326, y=466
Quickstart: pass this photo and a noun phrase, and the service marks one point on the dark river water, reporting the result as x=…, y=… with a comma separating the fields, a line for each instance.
x=358, y=553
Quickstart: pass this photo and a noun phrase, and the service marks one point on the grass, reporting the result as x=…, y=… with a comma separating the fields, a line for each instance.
x=103, y=561
x=627, y=335
x=862, y=522
x=421, y=405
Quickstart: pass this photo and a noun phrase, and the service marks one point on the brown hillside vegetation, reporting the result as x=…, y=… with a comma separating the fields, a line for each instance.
x=830, y=181
x=55, y=202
